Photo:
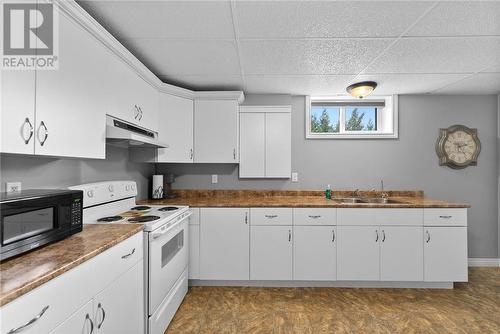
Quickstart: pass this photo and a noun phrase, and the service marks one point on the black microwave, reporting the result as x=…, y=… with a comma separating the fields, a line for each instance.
x=33, y=218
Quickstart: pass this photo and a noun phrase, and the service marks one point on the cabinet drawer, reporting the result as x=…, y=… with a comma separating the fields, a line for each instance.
x=194, y=219
x=403, y=217
x=445, y=217
x=314, y=216
x=73, y=289
x=271, y=216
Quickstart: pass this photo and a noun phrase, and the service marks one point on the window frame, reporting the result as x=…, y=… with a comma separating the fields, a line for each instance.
x=390, y=111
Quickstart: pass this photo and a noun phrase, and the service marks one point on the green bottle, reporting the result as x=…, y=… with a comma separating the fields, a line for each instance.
x=328, y=192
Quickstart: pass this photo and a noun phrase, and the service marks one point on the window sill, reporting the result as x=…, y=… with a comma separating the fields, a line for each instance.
x=354, y=136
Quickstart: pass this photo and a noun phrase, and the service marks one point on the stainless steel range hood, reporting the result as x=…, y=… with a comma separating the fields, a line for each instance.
x=123, y=134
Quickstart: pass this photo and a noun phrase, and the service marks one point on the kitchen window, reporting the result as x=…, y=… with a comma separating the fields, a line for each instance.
x=345, y=117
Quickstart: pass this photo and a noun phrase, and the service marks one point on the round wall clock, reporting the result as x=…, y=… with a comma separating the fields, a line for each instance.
x=458, y=147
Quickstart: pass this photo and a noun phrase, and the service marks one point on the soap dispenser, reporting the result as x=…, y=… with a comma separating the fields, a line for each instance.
x=328, y=192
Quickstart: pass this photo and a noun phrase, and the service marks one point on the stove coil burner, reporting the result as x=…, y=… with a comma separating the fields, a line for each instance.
x=143, y=219
x=110, y=219
x=141, y=208
x=168, y=208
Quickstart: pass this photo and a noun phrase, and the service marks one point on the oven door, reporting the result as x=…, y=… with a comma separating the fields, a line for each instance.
x=168, y=258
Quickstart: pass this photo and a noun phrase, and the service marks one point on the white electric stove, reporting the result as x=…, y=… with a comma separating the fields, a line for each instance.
x=165, y=243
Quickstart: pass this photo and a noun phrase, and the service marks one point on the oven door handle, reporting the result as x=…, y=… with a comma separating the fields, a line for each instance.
x=163, y=231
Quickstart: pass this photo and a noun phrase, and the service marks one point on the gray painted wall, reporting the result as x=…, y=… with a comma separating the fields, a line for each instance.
x=498, y=169
x=409, y=162
x=35, y=172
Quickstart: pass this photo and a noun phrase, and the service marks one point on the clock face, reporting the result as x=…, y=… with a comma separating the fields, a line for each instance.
x=460, y=147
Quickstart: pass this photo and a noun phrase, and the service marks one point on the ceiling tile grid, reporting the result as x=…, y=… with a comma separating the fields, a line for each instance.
x=312, y=47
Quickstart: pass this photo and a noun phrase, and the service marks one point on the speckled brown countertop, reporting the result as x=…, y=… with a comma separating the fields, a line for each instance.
x=299, y=198
x=22, y=274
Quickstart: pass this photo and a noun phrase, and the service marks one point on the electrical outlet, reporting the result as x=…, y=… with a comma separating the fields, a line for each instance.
x=12, y=187
x=215, y=178
x=295, y=177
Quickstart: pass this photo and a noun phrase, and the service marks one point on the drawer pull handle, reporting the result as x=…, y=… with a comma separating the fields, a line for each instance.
x=383, y=236
x=32, y=321
x=271, y=216
x=314, y=217
x=333, y=235
x=428, y=236
x=376, y=233
x=87, y=317
x=246, y=218
x=289, y=235
x=445, y=217
x=99, y=306
x=129, y=254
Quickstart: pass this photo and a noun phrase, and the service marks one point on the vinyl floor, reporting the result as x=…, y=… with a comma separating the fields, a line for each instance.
x=472, y=307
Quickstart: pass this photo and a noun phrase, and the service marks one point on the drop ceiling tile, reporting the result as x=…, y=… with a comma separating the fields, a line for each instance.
x=439, y=55
x=288, y=19
x=297, y=84
x=163, y=19
x=208, y=82
x=338, y=56
x=186, y=57
x=460, y=18
x=388, y=84
x=480, y=83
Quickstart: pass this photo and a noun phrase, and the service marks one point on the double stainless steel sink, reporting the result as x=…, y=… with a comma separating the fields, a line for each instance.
x=366, y=200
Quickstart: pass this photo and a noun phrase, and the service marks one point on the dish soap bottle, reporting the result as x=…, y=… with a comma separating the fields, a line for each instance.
x=328, y=192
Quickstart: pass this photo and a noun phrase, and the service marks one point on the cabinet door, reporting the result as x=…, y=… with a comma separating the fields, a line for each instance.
x=252, y=145
x=358, y=253
x=147, y=99
x=120, y=307
x=17, y=116
x=216, y=131
x=445, y=254
x=81, y=322
x=194, y=251
x=224, y=243
x=314, y=253
x=71, y=102
x=278, y=145
x=271, y=253
x=401, y=253
x=175, y=129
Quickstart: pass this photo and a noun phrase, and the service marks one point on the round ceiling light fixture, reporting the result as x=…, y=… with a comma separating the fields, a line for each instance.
x=361, y=89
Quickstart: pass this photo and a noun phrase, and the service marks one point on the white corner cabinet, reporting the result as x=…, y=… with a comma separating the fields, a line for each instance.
x=105, y=293
x=265, y=142
x=418, y=246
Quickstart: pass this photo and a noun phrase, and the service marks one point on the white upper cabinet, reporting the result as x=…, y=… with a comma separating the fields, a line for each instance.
x=17, y=116
x=216, y=131
x=265, y=142
x=71, y=101
x=175, y=129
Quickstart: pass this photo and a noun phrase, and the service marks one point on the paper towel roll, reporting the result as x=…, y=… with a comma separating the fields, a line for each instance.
x=157, y=189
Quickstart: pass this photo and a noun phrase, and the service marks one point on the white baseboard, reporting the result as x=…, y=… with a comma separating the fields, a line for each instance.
x=484, y=262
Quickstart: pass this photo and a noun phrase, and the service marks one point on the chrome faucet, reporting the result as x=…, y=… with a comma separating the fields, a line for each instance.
x=383, y=194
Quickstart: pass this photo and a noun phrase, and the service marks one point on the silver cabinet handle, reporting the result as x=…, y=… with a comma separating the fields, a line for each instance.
x=129, y=254
x=445, y=217
x=289, y=235
x=87, y=317
x=376, y=232
x=140, y=113
x=314, y=217
x=333, y=235
x=234, y=154
x=191, y=154
x=46, y=133
x=383, y=236
x=99, y=306
x=270, y=216
x=428, y=237
x=27, y=121
x=246, y=218
x=136, y=111
x=32, y=321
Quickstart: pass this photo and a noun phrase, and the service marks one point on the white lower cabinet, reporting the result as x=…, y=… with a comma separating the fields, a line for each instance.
x=358, y=255
x=224, y=243
x=401, y=253
x=120, y=307
x=194, y=244
x=445, y=254
x=81, y=322
x=314, y=253
x=271, y=252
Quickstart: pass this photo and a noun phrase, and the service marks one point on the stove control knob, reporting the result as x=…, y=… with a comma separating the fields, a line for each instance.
x=111, y=188
x=133, y=187
x=127, y=187
x=90, y=193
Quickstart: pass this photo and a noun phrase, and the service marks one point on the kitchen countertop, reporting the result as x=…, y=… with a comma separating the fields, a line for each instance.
x=21, y=274
x=299, y=198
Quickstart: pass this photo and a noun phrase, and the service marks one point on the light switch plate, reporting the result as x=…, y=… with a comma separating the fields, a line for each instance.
x=295, y=177
x=12, y=187
x=215, y=178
